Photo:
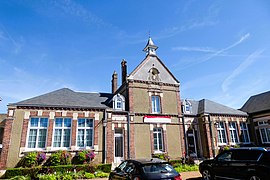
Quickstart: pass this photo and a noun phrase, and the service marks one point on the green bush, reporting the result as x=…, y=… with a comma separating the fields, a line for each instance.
x=186, y=168
x=21, y=178
x=12, y=172
x=104, y=168
x=101, y=174
x=46, y=177
x=89, y=175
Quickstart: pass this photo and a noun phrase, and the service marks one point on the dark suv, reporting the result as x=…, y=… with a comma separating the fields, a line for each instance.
x=142, y=169
x=238, y=163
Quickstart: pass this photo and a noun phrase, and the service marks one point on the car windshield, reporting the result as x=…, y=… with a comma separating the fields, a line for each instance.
x=157, y=168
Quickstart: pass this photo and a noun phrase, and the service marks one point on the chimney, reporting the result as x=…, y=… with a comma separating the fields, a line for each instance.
x=124, y=70
x=114, y=82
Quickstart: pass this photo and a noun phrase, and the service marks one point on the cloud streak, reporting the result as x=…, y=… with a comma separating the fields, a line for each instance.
x=242, y=67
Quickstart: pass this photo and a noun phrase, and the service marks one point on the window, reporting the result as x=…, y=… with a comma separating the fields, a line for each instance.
x=265, y=135
x=119, y=102
x=221, y=133
x=62, y=131
x=37, y=132
x=85, y=133
x=233, y=132
x=158, y=140
x=244, y=132
x=155, y=104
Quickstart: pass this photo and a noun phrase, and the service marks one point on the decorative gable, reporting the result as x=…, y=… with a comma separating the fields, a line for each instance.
x=152, y=69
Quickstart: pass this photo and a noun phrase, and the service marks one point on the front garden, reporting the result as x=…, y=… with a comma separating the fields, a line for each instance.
x=62, y=166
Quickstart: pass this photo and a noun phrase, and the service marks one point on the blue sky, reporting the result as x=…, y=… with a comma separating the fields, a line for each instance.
x=218, y=50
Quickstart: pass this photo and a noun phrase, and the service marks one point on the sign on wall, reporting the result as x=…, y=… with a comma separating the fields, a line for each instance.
x=157, y=119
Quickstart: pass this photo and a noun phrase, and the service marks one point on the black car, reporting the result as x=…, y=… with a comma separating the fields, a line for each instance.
x=238, y=163
x=145, y=169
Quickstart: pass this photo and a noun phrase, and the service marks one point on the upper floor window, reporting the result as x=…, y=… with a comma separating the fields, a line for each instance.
x=85, y=135
x=158, y=140
x=37, y=132
x=221, y=133
x=155, y=104
x=233, y=132
x=244, y=132
x=119, y=102
x=62, y=132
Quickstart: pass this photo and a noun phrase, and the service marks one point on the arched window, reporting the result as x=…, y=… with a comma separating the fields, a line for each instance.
x=119, y=102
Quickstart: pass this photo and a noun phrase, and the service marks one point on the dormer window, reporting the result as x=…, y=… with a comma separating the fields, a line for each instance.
x=119, y=102
x=187, y=107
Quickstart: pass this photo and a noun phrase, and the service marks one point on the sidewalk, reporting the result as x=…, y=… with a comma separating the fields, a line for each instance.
x=193, y=175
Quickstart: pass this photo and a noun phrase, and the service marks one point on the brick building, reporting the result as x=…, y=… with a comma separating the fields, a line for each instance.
x=141, y=117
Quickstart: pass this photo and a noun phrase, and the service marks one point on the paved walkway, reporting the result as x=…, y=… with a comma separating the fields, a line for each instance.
x=193, y=175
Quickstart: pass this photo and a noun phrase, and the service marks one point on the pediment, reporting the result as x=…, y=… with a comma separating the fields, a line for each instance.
x=152, y=69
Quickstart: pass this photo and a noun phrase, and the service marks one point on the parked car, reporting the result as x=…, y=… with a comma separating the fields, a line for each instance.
x=145, y=169
x=238, y=163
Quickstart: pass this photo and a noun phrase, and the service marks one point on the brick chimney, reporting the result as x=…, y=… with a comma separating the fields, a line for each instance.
x=124, y=70
x=114, y=82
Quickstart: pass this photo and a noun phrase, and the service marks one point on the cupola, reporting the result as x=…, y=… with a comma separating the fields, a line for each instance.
x=150, y=47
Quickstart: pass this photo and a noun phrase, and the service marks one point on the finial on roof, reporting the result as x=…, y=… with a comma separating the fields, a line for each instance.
x=150, y=47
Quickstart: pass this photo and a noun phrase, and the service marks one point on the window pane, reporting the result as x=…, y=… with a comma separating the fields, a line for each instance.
x=80, y=141
x=66, y=138
x=81, y=122
x=32, y=138
x=89, y=122
x=42, y=138
x=34, y=122
x=57, y=138
x=67, y=122
x=89, y=134
x=58, y=122
x=43, y=122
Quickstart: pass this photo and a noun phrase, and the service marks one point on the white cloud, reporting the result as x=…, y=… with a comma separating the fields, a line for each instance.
x=243, y=66
x=195, y=49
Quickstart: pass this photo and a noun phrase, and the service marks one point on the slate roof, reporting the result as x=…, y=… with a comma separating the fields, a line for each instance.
x=257, y=103
x=210, y=107
x=67, y=98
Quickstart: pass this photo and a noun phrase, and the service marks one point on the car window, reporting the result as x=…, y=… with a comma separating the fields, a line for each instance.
x=129, y=168
x=122, y=165
x=246, y=155
x=157, y=168
x=227, y=156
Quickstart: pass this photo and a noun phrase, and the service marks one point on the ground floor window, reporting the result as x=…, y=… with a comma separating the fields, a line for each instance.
x=62, y=132
x=265, y=135
x=158, y=140
x=233, y=132
x=221, y=133
x=244, y=132
x=85, y=134
x=37, y=133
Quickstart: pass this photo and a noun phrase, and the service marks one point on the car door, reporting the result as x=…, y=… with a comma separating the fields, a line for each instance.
x=221, y=166
x=119, y=172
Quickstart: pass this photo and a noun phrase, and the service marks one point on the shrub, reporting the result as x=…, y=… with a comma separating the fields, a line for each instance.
x=185, y=168
x=161, y=156
x=83, y=157
x=59, y=158
x=21, y=178
x=46, y=177
x=30, y=160
x=40, y=157
x=89, y=175
x=101, y=174
x=104, y=167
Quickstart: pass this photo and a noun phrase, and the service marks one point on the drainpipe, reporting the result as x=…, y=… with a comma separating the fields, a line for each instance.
x=128, y=135
x=184, y=129
x=104, y=143
x=211, y=135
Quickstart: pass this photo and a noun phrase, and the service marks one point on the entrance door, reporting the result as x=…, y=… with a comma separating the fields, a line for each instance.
x=118, y=146
x=192, y=149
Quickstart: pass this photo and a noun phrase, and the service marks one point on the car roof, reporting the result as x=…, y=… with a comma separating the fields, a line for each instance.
x=148, y=161
x=250, y=148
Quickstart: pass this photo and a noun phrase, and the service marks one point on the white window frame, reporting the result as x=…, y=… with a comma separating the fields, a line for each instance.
x=266, y=132
x=85, y=128
x=62, y=128
x=118, y=99
x=222, y=132
x=244, y=132
x=156, y=104
x=234, y=137
x=160, y=140
x=38, y=128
